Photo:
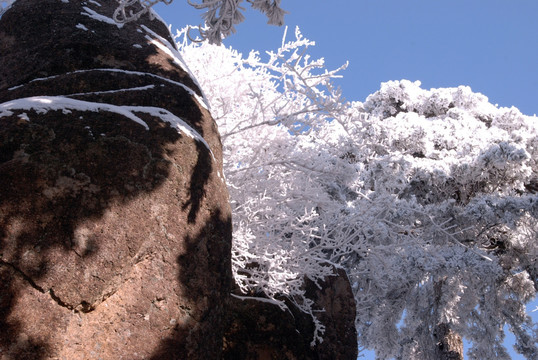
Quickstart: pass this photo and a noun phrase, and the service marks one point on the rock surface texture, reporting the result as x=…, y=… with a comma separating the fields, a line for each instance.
x=262, y=330
x=114, y=218
x=115, y=226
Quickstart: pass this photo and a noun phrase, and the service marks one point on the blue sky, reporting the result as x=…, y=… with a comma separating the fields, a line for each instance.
x=489, y=45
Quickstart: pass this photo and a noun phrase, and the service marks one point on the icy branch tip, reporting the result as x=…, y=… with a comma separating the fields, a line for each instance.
x=125, y=12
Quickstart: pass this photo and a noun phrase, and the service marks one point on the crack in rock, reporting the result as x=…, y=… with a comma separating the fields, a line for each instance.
x=83, y=307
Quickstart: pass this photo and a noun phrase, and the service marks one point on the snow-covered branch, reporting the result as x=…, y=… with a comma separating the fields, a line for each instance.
x=414, y=192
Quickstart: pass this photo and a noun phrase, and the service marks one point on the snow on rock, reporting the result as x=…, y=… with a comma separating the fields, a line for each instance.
x=171, y=51
x=43, y=104
x=112, y=204
x=82, y=27
x=99, y=17
x=201, y=101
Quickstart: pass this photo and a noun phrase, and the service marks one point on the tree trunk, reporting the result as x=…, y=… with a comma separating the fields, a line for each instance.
x=449, y=345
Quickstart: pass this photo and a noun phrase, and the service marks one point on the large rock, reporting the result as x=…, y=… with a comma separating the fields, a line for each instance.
x=114, y=218
x=336, y=309
x=260, y=329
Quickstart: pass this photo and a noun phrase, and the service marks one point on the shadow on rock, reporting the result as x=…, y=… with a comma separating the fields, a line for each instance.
x=198, y=334
x=96, y=208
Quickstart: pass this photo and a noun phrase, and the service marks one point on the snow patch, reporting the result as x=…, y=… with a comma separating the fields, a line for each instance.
x=200, y=100
x=221, y=177
x=165, y=46
x=96, y=16
x=16, y=87
x=171, y=51
x=24, y=117
x=138, y=88
x=173, y=120
x=82, y=27
x=43, y=104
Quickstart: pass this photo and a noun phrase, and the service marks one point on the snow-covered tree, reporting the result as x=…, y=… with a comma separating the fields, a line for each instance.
x=273, y=105
x=220, y=16
x=426, y=198
x=459, y=237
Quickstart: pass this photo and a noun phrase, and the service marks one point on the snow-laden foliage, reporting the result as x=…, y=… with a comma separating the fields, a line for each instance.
x=272, y=104
x=132, y=10
x=426, y=197
x=220, y=16
x=459, y=236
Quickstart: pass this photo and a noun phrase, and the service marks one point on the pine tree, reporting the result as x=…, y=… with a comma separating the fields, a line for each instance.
x=424, y=197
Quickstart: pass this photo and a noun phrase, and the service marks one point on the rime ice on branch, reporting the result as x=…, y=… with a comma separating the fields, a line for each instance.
x=132, y=10
x=426, y=197
x=219, y=18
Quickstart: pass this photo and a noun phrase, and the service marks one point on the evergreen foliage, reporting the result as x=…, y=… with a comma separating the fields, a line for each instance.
x=426, y=197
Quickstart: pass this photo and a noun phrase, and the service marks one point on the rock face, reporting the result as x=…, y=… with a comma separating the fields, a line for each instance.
x=115, y=227
x=114, y=218
x=335, y=302
x=262, y=330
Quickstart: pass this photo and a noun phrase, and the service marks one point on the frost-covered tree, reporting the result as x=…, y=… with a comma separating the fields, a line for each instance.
x=426, y=198
x=220, y=16
x=460, y=234
x=272, y=104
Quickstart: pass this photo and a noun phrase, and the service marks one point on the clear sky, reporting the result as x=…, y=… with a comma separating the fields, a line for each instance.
x=489, y=45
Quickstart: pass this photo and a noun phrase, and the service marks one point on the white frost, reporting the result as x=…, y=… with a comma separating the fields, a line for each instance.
x=43, y=104
x=95, y=15
x=82, y=27
x=171, y=51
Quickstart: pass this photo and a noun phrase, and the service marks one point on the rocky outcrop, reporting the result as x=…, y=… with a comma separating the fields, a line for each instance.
x=260, y=329
x=336, y=310
x=115, y=225
x=114, y=218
